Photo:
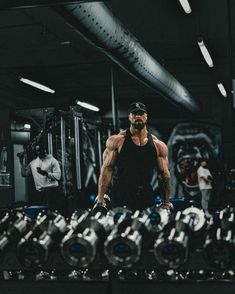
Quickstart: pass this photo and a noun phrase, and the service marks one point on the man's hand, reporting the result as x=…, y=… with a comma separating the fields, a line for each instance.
x=167, y=205
x=210, y=179
x=102, y=204
x=42, y=172
x=21, y=155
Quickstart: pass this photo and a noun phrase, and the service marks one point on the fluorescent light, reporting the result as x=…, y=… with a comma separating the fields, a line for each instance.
x=222, y=89
x=27, y=126
x=87, y=105
x=186, y=6
x=37, y=85
x=205, y=53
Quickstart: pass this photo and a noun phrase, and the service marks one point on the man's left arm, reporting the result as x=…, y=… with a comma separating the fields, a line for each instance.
x=164, y=173
x=55, y=173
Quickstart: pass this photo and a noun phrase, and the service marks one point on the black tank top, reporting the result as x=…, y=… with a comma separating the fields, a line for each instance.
x=135, y=167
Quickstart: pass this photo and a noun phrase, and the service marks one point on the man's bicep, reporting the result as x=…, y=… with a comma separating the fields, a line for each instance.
x=109, y=157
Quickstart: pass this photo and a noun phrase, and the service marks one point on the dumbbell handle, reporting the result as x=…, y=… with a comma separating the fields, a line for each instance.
x=167, y=205
x=100, y=207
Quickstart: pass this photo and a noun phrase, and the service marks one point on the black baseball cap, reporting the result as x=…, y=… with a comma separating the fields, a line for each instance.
x=137, y=106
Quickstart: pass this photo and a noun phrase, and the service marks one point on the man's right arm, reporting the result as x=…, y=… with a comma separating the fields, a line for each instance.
x=109, y=161
x=202, y=176
x=25, y=169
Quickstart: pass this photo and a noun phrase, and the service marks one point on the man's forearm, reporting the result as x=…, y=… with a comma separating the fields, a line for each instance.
x=23, y=169
x=164, y=184
x=104, y=180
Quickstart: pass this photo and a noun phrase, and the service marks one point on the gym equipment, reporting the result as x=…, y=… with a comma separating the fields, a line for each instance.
x=33, y=248
x=171, y=249
x=219, y=248
x=79, y=246
x=123, y=245
x=158, y=217
x=73, y=248
x=101, y=207
x=17, y=225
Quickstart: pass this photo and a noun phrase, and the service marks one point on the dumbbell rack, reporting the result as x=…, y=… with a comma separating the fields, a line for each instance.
x=100, y=277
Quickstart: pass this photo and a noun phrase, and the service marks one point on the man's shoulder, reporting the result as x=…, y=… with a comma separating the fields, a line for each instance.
x=117, y=137
x=157, y=141
x=200, y=169
x=115, y=140
x=32, y=161
x=160, y=145
x=50, y=157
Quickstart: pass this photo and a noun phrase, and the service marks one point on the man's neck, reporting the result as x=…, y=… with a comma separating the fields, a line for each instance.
x=42, y=156
x=142, y=132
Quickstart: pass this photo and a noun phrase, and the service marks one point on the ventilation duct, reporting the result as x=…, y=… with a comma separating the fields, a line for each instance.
x=96, y=23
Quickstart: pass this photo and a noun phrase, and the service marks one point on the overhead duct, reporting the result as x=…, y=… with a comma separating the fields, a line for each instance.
x=96, y=23
x=15, y=4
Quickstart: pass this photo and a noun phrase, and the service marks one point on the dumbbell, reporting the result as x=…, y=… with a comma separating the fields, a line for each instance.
x=219, y=248
x=17, y=226
x=198, y=221
x=72, y=250
x=168, y=206
x=171, y=247
x=123, y=246
x=158, y=218
x=33, y=248
x=101, y=207
x=119, y=212
x=5, y=217
x=79, y=246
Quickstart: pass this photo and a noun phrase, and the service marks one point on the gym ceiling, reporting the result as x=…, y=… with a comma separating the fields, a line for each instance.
x=37, y=42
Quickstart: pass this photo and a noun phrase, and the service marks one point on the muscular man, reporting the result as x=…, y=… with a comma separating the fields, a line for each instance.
x=46, y=173
x=136, y=153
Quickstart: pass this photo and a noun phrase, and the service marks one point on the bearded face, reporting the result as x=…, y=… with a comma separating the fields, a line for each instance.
x=138, y=120
x=138, y=125
x=40, y=151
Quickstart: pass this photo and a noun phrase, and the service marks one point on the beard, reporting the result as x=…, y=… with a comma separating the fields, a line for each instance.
x=41, y=154
x=138, y=125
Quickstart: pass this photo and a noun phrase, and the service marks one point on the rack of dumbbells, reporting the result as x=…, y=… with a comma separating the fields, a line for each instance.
x=118, y=249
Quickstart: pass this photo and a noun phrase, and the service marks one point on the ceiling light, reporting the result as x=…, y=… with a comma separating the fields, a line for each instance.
x=186, y=6
x=205, y=53
x=222, y=89
x=87, y=105
x=27, y=126
x=37, y=85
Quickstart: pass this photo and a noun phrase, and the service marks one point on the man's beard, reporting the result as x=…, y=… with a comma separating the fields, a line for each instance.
x=139, y=125
x=41, y=154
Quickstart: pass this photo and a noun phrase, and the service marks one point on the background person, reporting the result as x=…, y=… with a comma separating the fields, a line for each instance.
x=46, y=173
x=205, y=185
